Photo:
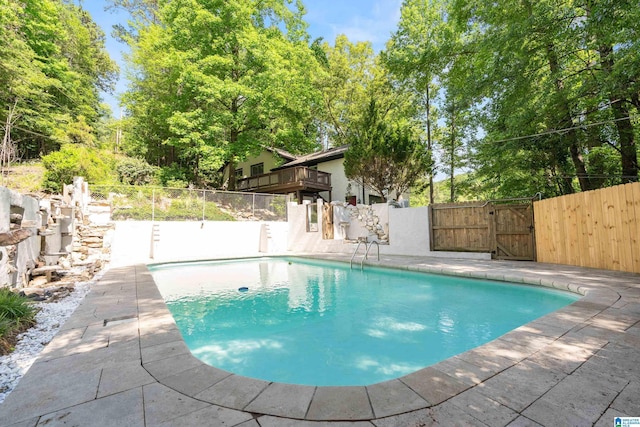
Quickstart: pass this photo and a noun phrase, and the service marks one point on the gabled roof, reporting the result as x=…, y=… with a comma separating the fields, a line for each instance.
x=317, y=157
x=282, y=153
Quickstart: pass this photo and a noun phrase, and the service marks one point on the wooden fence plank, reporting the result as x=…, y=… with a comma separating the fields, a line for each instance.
x=632, y=192
x=599, y=229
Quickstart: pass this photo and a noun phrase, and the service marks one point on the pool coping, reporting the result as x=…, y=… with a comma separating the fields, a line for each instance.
x=557, y=345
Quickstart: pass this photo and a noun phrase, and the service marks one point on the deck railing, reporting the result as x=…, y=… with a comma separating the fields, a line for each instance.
x=286, y=178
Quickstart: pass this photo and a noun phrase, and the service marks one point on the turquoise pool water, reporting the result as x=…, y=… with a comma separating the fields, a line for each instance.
x=308, y=322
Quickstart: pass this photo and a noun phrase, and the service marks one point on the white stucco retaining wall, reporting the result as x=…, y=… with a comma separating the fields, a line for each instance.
x=182, y=240
x=408, y=234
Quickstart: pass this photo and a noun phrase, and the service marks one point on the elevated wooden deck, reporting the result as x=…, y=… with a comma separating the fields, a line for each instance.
x=300, y=180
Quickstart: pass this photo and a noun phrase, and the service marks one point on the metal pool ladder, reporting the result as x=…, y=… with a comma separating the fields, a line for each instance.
x=366, y=253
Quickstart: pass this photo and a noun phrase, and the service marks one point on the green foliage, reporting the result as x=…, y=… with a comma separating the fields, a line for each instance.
x=133, y=171
x=346, y=81
x=16, y=312
x=15, y=307
x=186, y=207
x=386, y=157
x=173, y=176
x=551, y=85
x=214, y=81
x=76, y=160
x=52, y=65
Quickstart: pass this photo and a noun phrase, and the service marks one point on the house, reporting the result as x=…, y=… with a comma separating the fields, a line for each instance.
x=307, y=177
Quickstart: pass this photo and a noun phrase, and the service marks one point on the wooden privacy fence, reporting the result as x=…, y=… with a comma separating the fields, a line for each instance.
x=503, y=228
x=597, y=228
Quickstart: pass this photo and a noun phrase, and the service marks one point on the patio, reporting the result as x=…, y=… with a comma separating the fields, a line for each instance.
x=120, y=360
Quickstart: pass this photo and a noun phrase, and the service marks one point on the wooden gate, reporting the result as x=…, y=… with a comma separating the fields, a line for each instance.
x=513, y=236
x=504, y=230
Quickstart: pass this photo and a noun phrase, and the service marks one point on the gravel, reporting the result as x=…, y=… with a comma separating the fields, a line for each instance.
x=51, y=316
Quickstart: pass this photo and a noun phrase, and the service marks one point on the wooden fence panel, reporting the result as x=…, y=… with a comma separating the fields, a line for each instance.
x=632, y=193
x=504, y=230
x=460, y=227
x=592, y=229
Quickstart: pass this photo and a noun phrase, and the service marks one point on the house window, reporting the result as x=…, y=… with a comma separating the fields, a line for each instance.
x=239, y=173
x=375, y=199
x=257, y=169
x=312, y=217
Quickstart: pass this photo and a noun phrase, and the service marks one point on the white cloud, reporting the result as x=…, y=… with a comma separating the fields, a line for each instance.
x=372, y=22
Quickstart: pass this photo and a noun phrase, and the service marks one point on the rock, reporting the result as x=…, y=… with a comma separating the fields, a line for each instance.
x=38, y=282
x=14, y=237
x=32, y=290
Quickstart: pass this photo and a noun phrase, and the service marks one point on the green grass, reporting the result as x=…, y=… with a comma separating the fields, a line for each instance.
x=186, y=210
x=24, y=177
x=16, y=314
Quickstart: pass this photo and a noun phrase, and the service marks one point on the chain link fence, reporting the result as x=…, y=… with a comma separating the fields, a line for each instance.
x=179, y=204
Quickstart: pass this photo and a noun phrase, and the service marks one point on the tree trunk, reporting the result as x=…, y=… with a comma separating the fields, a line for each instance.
x=628, y=152
x=452, y=153
x=566, y=121
x=429, y=145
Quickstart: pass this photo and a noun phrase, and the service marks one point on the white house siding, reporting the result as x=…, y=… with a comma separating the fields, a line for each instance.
x=339, y=183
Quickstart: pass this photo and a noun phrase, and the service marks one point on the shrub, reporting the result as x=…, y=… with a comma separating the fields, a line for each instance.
x=75, y=160
x=173, y=176
x=16, y=313
x=14, y=307
x=133, y=171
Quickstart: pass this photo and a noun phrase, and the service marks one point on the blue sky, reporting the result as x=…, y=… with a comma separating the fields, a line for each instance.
x=360, y=20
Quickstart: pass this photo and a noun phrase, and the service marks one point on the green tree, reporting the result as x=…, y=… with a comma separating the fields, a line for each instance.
x=545, y=69
x=215, y=81
x=418, y=54
x=387, y=152
x=350, y=70
x=53, y=65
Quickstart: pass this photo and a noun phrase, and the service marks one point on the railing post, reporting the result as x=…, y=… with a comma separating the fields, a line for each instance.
x=204, y=203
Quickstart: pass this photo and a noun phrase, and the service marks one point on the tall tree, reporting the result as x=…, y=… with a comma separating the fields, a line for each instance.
x=349, y=75
x=232, y=76
x=387, y=151
x=52, y=66
x=538, y=71
x=418, y=54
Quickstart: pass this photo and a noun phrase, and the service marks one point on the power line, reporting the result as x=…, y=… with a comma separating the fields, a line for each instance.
x=560, y=131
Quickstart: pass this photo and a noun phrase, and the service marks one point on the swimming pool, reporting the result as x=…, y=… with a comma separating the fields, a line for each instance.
x=308, y=322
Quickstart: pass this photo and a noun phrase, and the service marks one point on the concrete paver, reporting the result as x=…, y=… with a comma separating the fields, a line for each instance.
x=577, y=366
x=522, y=421
x=123, y=376
x=233, y=391
x=211, y=416
x=49, y=393
x=433, y=385
x=629, y=399
x=521, y=385
x=269, y=421
x=483, y=408
x=419, y=418
x=343, y=403
x=466, y=372
x=195, y=380
x=161, y=404
x=283, y=400
x=122, y=409
x=393, y=397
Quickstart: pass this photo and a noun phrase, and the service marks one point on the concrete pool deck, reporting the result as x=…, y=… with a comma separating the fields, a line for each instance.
x=120, y=360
